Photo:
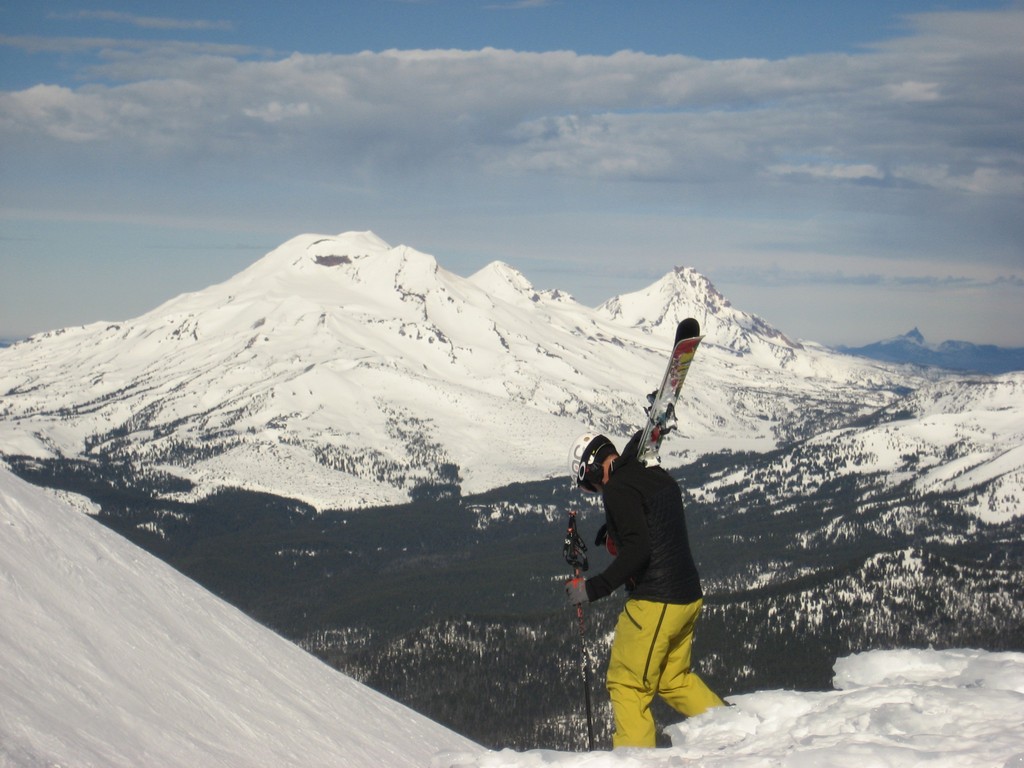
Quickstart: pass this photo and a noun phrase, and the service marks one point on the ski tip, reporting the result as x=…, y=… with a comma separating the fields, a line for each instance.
x=687, y=329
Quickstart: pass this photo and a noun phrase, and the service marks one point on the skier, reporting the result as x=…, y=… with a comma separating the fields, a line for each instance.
x=645, y=531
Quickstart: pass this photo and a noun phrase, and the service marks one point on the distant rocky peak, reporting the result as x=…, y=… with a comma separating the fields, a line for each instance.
x=915, y=336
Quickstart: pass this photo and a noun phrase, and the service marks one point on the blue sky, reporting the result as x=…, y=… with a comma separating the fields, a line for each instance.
x=846, y=170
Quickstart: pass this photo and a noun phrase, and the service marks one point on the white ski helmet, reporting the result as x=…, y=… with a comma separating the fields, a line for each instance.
x=585, y=458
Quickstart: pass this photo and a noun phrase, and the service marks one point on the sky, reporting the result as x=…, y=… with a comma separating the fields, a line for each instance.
x=847, y=171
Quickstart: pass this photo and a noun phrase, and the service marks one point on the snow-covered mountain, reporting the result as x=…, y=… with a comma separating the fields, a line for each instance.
x=912, y=348
x=113, y=658
x=345, y=373
x=961, y=437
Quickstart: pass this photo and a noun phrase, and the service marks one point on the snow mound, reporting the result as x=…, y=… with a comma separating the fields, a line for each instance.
x=955, y=709
x=113, y=658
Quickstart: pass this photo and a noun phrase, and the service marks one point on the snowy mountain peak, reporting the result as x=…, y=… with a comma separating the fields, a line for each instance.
x=504, y=281
x=683, y=293
x=349, y=258
x=346, y=248
x=303, y=251
x=700, y=287
x=679, y=294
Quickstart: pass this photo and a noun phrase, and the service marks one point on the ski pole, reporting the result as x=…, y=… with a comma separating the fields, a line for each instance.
x=575, y=551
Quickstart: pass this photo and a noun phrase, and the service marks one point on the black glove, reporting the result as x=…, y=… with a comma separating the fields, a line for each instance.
x=633, y=446
x=603, y=539
x=576, y=591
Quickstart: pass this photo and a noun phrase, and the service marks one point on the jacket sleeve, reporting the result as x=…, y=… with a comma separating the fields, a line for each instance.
x=625, y=513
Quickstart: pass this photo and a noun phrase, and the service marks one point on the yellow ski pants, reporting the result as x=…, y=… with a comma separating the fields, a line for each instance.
x=651, y=655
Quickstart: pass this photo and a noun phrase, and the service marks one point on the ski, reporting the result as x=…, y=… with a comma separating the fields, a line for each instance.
x=661, y=413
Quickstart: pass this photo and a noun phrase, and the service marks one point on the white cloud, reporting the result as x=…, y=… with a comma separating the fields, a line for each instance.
x=515, y=5
x=981, y=180
x=836, y=171
x=144, y=22
x=274, y=111
x=878, y=115
x=912, y=90
x=165, y=54
x=55, y=111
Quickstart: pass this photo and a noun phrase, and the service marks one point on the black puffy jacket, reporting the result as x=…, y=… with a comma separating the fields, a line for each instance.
x=644, y=513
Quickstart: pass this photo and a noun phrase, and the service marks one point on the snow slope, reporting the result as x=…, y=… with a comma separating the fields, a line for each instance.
x=112, y=658
x=962, y=437
x=951, y=437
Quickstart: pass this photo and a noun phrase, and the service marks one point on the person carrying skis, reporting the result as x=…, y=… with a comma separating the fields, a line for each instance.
x=646, y=533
